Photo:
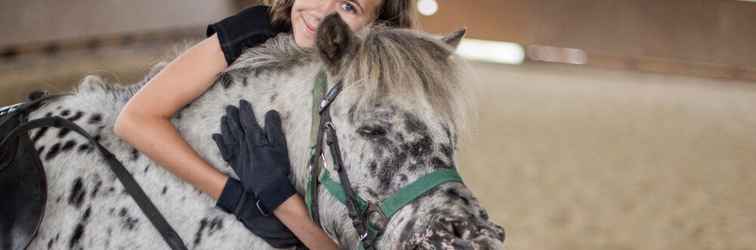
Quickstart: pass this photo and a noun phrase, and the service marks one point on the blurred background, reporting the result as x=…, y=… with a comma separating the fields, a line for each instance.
x=601, y=124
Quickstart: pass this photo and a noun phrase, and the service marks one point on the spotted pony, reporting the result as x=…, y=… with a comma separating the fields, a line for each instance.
x=397, y=118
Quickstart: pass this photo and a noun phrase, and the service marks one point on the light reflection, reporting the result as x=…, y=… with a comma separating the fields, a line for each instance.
x=491, y=51
x=427, y=7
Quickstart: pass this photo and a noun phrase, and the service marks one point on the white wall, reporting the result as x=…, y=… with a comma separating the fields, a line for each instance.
x=44, y=20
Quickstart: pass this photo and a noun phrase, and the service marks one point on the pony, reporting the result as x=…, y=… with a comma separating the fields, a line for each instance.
x=398, y=118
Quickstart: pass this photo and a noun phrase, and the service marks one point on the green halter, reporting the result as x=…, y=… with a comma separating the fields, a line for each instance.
x=385, y=208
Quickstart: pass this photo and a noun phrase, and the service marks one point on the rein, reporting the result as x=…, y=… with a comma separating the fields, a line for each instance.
x=360, y=210
x=19, y=113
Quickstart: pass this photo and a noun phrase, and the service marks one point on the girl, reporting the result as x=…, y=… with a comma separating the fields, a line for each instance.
x=145, y=123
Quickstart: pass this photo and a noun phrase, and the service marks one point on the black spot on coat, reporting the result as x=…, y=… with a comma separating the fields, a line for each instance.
x=63, y=132
x=483, y=214
x=95, y=118
x=389, y=168
x=420, y=147
x=225, y=80
x=39, y=134
x=86, y=214
x=68, y=145
x=407, y=233
x=76, y=236
x=127, y=222
x=454, y=195
x=413, y=124
x=76, y=116
x=96, y=188
x=198, y=235
x=215, y=225
x=77, y=194
x=54, y=150
x=373, y=167
x=437, y=163
x=447, y=151
x=135, y=155
x=84, y=148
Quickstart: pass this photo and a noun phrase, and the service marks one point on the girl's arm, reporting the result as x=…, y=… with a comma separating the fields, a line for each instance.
x=293, y=214
x=145, y=124
x=145, y=120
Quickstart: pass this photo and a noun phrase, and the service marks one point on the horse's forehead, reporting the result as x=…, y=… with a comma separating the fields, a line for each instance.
x=409, y=149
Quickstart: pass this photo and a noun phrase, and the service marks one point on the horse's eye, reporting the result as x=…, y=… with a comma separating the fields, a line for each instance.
x=371, y=131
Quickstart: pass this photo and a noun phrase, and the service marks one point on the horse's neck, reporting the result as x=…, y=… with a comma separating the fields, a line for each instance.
x=289, y=92
x=294, y=101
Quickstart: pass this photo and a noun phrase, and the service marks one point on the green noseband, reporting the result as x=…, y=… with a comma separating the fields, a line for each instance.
x=359, y=208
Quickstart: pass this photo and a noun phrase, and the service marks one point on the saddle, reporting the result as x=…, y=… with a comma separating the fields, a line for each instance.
x=23, y=183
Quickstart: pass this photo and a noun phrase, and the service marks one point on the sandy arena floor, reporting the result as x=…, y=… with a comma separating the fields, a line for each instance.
x=582, y=158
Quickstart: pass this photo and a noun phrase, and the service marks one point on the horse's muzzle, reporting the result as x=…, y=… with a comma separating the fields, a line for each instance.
x=461, y=233
x=455, y=221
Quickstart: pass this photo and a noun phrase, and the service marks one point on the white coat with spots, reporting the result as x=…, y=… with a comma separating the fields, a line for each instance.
x=397, y=119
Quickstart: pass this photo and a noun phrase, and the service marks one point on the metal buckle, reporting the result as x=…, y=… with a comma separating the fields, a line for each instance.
x=382, y=220
x=325, y=163
x=330, y=127
x=260, y=209
x=9, y=109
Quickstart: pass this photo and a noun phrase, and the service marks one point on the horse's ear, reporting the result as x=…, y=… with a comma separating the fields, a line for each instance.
x=335, y=41
x=454, y=38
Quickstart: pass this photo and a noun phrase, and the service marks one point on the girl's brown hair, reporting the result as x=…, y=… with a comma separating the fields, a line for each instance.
x=392, y=13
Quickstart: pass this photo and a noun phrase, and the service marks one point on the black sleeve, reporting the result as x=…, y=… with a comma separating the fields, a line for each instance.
x=248, y=28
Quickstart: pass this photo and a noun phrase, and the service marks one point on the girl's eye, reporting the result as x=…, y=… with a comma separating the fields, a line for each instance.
x=348, y=7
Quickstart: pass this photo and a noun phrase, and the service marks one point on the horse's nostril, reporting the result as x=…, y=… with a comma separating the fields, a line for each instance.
x=460, y=229
x=500, y=232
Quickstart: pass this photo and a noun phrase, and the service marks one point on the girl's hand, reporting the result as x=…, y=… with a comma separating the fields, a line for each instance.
x=261, y=161
x=258, y=156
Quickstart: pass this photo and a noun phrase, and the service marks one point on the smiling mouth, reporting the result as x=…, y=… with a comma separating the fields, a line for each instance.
x=307, y=25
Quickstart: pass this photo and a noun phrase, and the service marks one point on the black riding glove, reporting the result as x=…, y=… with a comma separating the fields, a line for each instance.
x=259, y=157
x=234, y=200
x=237, y=197
x=248, y=28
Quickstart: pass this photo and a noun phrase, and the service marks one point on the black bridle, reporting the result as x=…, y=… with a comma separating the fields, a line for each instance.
x=360, y=210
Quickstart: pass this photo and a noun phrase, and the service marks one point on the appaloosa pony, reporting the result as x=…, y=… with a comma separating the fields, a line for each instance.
x=396, y=120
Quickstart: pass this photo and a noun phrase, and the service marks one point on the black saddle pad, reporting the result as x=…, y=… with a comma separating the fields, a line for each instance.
x=23, y=189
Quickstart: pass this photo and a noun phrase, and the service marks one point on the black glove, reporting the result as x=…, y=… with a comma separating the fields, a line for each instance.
x=234, y=200
x=259, y=157
x=248, y=28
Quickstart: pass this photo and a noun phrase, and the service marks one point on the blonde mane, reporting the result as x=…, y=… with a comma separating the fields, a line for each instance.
x=405, y=65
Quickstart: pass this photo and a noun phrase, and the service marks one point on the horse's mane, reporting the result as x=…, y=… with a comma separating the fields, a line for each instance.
x=399, y=63
x=277, y=54
x=409, y=66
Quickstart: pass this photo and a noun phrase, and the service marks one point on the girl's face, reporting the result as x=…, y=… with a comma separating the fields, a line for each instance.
x=306, y=16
